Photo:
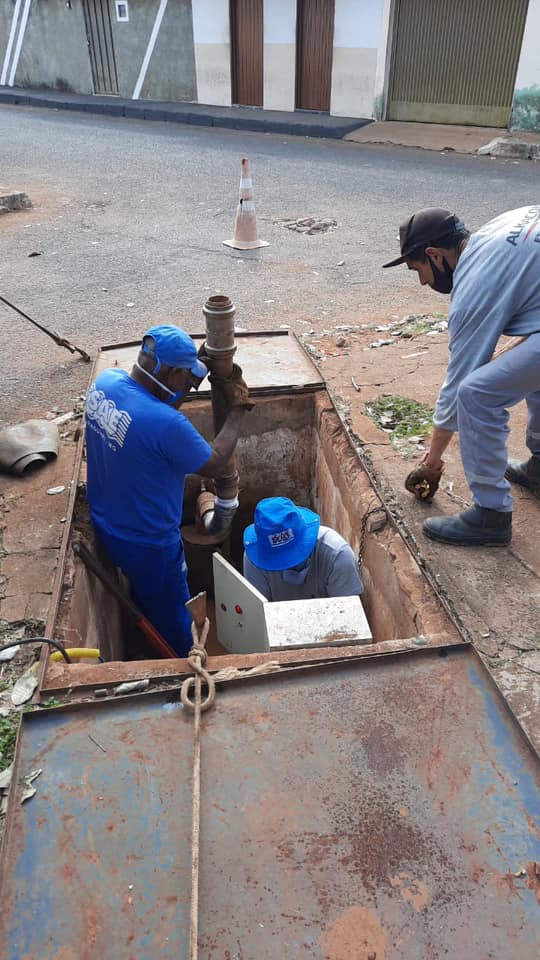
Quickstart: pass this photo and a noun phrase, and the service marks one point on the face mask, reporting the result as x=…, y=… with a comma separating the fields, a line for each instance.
x=173, y=397
x=443, y=280
x=296, y=575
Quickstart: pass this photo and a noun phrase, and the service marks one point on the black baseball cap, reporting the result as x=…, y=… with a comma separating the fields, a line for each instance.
x=430, y=227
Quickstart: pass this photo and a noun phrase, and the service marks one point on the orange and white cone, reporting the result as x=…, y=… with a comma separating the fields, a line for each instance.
x=246, y=236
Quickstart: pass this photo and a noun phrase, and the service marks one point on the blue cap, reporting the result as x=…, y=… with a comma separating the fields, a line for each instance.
x=174, y=348
x=282, y=536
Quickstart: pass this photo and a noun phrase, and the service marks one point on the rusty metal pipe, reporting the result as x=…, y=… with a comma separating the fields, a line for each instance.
x=219, y=312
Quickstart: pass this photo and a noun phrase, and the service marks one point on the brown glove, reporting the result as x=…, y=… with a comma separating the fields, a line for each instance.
x=424, y=482
x=234, y=389
x=202, y=354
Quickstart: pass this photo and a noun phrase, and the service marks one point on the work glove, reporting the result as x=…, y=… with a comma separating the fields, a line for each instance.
x=424, y=481
x=203, y=356
x=234, y=389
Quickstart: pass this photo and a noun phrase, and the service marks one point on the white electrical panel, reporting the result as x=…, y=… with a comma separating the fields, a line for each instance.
x=248, y=623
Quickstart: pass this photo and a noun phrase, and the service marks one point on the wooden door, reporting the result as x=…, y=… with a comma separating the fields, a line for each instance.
x=247, y=52
x=455, y=62
x=97, y=17
x=314, y=45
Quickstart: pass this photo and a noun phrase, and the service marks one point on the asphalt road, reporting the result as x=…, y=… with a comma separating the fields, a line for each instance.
x=129, y=216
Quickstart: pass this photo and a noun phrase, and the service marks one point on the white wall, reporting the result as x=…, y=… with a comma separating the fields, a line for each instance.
x=384, y=53
x=279, y=17
x=211, y=37
x=529, y=62
x=357, y=29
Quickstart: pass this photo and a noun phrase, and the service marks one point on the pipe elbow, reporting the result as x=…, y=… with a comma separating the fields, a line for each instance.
x=217, y=522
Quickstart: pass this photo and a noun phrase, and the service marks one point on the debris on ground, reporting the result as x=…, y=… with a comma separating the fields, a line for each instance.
x=310, y=225
x=411, y=326
x=9, y=653
x=10, y=202
x=5, y=781
x=131, y=686
x=25, y=686
x=24, y=445
x=406, y=421
x=53, y=490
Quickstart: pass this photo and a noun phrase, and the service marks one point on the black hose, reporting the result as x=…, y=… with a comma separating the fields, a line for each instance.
x=53, y=643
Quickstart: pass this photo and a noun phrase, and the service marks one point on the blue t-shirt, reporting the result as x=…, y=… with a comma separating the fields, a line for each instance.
x=139, y=451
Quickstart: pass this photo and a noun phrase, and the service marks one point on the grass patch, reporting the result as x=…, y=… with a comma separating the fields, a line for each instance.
x=8, y=735
x=51, y=702
x=406, y=421
x=413, y=328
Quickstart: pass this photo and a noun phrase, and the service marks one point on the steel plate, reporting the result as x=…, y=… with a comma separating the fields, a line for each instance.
x=383, y=809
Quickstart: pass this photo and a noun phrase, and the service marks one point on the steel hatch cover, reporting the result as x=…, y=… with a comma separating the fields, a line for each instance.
x=271, y=361
x=387, y=808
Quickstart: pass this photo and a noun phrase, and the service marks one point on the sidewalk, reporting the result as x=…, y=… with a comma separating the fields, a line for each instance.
x=440, y=136
x=298, y=123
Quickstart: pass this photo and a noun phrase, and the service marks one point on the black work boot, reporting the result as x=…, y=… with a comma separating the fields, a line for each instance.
x=476, y=527
x=527, y=474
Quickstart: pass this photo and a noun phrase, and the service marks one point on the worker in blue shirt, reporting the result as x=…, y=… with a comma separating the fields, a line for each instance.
x=139, y=450
x=494, y=279
x=289, y=555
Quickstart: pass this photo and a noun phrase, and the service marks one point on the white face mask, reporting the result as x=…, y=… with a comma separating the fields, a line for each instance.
x=173, y=397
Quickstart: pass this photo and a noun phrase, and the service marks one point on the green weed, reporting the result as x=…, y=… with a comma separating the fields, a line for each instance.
x=8, y=735
x=406, y=421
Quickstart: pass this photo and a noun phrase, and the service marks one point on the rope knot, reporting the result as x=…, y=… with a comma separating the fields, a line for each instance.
x=198, y=651
x=197, y=659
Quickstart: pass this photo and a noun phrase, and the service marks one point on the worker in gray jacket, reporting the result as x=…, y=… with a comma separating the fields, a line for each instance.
x=290, y=556
x=494, y=279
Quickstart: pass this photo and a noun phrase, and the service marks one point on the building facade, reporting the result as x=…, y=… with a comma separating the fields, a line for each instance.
x=463, y=61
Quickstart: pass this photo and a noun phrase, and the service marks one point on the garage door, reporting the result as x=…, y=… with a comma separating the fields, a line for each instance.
x=455, y=61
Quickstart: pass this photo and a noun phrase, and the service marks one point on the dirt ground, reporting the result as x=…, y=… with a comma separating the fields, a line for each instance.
x=493, y=593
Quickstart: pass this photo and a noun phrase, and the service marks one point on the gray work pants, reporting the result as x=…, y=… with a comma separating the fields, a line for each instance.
x=483, y=401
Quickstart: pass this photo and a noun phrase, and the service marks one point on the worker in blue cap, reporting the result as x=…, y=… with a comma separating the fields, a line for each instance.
x=139, y=450
x=289, y=555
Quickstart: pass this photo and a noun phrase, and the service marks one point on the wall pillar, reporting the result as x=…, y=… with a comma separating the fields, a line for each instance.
x=212, y=42
x=279, y=19
x=356, y=40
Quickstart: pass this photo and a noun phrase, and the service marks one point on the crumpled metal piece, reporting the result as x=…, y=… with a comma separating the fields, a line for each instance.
x=25, y=686
x=28, y=790
x=26, y=444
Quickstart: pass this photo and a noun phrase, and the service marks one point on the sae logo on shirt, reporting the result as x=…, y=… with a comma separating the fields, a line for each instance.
x=103, y=412
x=280, y=538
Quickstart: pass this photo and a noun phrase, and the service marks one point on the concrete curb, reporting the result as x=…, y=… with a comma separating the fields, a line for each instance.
x=298, y=124
x=511, y=149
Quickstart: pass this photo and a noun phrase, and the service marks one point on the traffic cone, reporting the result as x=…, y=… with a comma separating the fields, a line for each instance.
x=246, y=236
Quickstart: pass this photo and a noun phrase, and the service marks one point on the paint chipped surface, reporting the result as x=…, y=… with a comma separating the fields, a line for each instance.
x=381, y=809
x=356, y=934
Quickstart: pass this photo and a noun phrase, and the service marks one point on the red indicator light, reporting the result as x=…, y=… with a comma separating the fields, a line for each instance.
x=238, y=608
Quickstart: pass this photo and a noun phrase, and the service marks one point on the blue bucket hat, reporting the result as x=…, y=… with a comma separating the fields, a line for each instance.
x=174, y=348
x=282, y=536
